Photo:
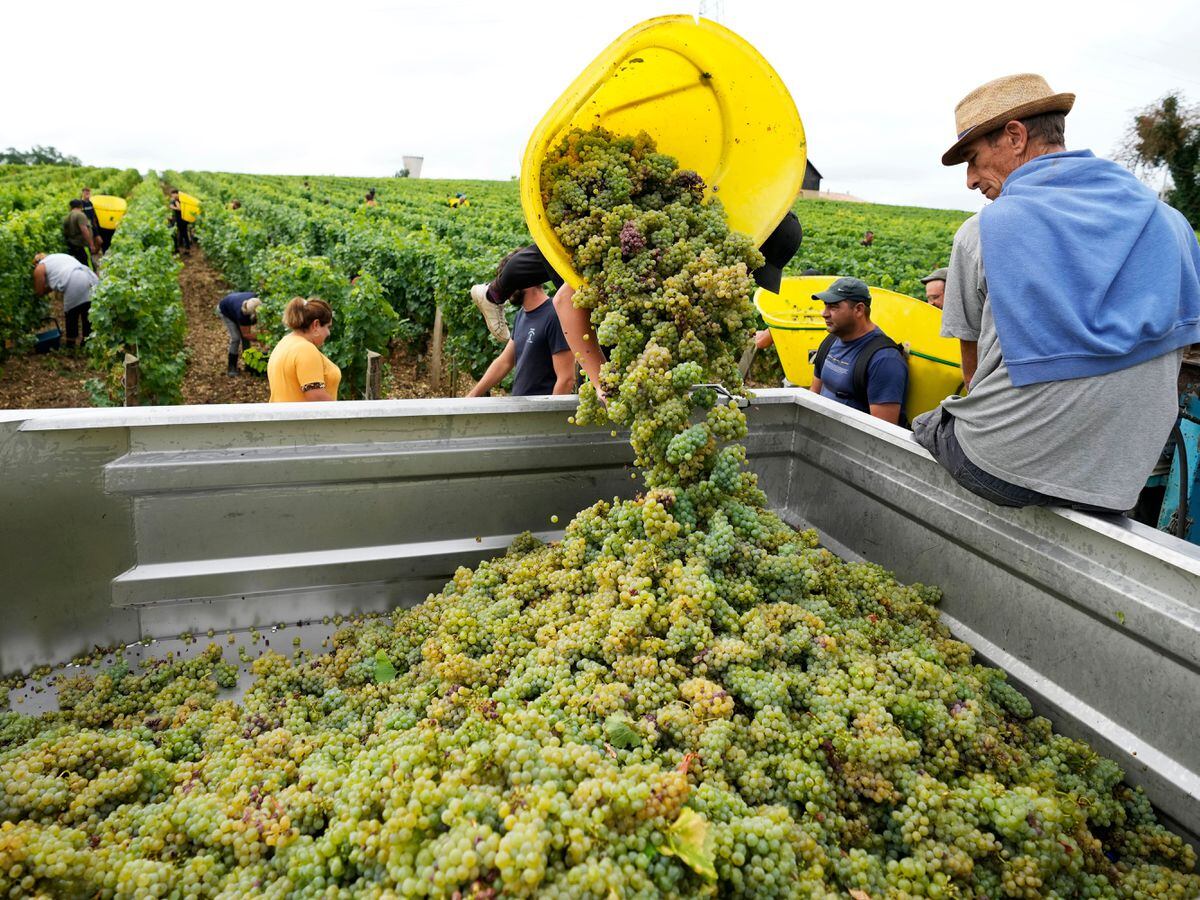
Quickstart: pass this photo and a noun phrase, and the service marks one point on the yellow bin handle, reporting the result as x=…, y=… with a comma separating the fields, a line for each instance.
x=707, y=97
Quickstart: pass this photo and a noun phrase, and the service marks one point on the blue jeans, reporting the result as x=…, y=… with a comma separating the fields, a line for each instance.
x=934, y=431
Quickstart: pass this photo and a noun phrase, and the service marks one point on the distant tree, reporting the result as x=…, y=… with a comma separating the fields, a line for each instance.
x=1166, y=135
x=38, y=156
x=403, y=173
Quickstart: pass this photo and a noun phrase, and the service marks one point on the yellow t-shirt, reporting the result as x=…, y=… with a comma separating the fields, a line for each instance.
x=296, y=362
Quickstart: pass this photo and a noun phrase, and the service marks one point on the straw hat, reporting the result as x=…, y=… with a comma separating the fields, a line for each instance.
x=991, y=105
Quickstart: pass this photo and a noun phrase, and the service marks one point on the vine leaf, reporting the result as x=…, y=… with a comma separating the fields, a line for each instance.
x=384, y=670
x=689, y=839
x=620, y=732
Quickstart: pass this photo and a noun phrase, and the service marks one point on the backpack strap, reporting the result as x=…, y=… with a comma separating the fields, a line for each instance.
x=879, y=341
x=818, y=357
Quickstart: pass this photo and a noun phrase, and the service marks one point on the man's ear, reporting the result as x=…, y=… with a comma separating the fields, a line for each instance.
x=1016, y=135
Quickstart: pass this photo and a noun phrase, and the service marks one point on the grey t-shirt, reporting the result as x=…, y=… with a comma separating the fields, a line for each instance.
x=59, y=269
x=1088, y=440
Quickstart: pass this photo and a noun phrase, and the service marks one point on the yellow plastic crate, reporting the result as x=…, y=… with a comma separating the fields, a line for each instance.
x=707, y=97
x=794, y=317
x=189, y=207
x=109, y=209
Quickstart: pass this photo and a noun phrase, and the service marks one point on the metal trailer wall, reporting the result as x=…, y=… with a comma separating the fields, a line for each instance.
x=130, y=523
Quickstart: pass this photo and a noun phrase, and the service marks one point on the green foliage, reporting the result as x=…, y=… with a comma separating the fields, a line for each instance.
x=33, y=204
x=38, y=156
x=1166, y=135
x=910, y=242
x=255, y=360
x=137, y=306
x=362, y=318
x=422, y=253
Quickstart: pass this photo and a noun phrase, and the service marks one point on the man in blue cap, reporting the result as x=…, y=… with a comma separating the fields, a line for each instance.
x=857, y=364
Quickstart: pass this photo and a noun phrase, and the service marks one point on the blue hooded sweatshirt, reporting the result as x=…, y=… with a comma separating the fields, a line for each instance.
x=1088, y=272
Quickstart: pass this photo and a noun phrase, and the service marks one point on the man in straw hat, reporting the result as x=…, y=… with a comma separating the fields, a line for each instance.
x=1073, y=295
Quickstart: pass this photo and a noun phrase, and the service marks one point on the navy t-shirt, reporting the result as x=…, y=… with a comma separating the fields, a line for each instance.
x=536, y=336
x=231, y=307
x=887, y=374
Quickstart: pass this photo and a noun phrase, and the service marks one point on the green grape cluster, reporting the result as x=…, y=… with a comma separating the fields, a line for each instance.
x=681, y=697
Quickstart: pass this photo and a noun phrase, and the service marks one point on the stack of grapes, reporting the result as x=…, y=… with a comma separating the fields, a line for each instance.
x=682, y=697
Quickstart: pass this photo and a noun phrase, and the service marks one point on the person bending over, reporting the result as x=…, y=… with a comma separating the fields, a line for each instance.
x=239, y=313
x=75, y=281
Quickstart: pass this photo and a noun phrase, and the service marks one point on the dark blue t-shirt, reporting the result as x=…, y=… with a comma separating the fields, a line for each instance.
x=887, y=374
x=536, y=336
x=231, y=307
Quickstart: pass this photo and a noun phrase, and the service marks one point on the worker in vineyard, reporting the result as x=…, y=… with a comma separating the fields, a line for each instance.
x=81, y=241
x=103, y=235
x=857, y=364
x=537, y=349
x=183, y=240
x=297, y=370
x=935, y=286
x=239, y=313
x=369, y=198
x=522, y=268
x=528, y=266
x=1072, y=338
x=75, y=281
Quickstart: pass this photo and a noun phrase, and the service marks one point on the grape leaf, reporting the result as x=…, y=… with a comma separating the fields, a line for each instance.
x=620, y=732
x=384, y=670
x=689, y=840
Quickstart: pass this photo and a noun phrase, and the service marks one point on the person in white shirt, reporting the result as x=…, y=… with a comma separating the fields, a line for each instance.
x=75, y=281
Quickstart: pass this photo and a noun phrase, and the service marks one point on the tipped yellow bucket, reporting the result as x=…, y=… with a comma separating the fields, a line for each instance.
x=189, y=207
x=109, y=209
x=707, y=97
x=794, y=317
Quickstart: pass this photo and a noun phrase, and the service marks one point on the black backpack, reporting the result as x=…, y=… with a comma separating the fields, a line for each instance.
x=879, y=341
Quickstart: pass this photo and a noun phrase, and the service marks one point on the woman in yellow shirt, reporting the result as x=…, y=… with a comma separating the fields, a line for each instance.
x=297, y=369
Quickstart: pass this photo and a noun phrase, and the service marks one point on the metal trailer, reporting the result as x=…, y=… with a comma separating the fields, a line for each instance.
x=129, y=524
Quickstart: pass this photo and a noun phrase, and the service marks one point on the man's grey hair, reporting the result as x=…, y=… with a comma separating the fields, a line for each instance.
x=1048, y=128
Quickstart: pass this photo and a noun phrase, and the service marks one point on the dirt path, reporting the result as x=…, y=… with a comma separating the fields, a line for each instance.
x=208, y=341
x=45, y=381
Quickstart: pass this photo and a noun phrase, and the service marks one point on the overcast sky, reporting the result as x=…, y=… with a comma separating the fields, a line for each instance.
x=349, y=87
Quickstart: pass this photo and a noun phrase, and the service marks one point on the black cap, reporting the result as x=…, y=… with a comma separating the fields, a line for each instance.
x=853, y=289
x=75, y=203
x=779, y=248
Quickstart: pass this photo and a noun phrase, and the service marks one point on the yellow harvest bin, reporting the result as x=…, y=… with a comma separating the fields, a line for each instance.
x=109, y=209
x=706, y=97
x=794, y=317
x=189, y=207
